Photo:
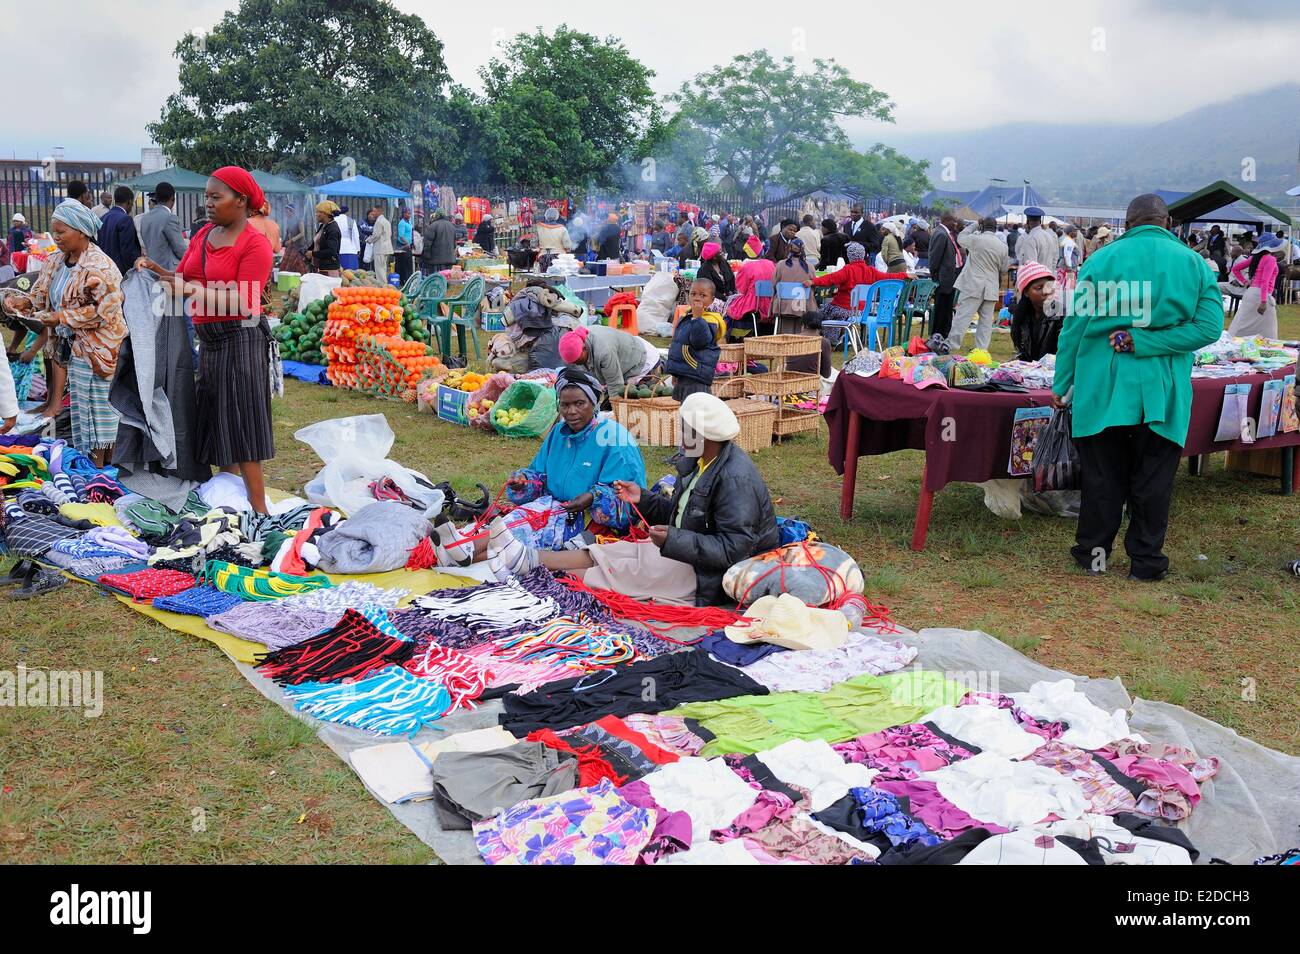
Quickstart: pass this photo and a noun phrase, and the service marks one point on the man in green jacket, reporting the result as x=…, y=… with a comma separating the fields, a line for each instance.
x=1142, y=306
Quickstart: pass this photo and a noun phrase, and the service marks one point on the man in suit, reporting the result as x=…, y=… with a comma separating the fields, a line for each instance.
x=381, y=241
x=117, y=235
x=160, y=230
x=1039, y=243
x=862, y=230
x=946, y=258
x=980, y=282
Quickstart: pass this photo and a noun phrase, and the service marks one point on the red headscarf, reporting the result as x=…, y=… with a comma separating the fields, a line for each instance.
x=242, y=181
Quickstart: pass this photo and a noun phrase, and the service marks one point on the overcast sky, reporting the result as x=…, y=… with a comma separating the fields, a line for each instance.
x=1107, y=60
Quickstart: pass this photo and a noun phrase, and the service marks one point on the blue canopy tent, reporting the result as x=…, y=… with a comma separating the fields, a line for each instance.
x=361, y=187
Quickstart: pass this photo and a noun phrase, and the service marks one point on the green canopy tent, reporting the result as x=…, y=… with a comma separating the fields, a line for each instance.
x=182, y=180
x=1223, y=202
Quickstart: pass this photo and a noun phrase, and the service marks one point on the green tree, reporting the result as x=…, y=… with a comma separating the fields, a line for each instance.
x=300, y=86
x=565, y=109
x=757, y=108
x=880, y=170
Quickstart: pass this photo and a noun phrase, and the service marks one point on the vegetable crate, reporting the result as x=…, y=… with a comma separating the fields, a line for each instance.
x=453, y=405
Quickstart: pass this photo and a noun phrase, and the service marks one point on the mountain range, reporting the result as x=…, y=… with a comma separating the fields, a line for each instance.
x=1100, y=164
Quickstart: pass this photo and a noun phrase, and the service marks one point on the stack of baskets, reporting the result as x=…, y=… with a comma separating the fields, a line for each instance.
x=778, y=383
x=730, y=385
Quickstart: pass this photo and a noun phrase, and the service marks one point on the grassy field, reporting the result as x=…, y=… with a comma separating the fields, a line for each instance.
x=189, y=764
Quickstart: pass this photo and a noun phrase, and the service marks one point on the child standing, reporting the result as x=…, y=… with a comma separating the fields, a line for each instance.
x=693, y=353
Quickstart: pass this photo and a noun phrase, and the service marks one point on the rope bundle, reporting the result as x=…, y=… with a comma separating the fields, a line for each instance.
x=392, y=701
x=258, y=585
x=351, y=649
x=462, y=676
x=571, y=642
x=710, y=617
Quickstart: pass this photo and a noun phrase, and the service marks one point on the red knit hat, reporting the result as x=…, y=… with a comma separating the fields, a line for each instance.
x=1030, y=272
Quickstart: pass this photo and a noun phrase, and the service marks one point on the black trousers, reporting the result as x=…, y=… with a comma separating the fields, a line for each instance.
x=404, y=262
x=1130, y=465
x=942, y=323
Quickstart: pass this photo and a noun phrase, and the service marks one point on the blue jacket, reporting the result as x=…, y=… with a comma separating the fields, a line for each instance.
x=694, y=350
x=118, y=239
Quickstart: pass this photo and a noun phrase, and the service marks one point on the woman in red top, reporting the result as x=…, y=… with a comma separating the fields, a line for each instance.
x=221, y=277
x=855, y=272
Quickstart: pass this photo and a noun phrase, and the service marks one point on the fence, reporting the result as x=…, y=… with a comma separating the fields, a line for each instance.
x=29, y=191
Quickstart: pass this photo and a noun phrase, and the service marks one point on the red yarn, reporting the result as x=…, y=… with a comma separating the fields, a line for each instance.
x=592, y=766
x=625, y=607
x=423, y=556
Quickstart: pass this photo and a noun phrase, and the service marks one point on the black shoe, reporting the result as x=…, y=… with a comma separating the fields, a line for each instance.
x=462, y=510
x=1149, y=579
x=17, y=573
x=44, y=581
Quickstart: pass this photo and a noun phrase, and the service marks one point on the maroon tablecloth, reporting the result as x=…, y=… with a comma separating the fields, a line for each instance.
x=966, y=435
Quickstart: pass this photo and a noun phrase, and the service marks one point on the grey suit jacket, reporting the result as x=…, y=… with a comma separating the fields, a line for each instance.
x=986, y=259
x=160, y=234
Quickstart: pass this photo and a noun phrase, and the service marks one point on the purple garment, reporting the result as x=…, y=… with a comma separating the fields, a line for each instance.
x=737, y=654
x=880, y=812
x=901, y=752
x=1047, y=730
x=672, y=831
x=939, y=814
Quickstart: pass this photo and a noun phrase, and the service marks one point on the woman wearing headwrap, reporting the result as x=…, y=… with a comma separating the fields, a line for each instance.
x=325, y=246
x=694, y=248
x=485, y=237
x=221, y=278
x=790, y=309
x=720, y=513
x=552, y=237
x=855, y=272
x=576, y=467
x=78, y=298
x=891, y=248
x=715, y=267
x=614, y=357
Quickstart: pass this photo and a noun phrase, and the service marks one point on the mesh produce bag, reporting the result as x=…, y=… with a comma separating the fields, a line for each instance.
x=534, y=398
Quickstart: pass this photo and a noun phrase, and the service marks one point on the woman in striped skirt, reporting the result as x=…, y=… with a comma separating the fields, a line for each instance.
x=78, y=297
x=222, y=276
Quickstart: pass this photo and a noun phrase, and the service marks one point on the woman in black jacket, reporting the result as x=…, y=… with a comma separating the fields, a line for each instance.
x=486, y=235
x=1036, y=321
x=720, y=513
x=325, y=247
x=717, y=269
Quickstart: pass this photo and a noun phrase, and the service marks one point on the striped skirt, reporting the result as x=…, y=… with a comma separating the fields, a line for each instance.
x=233, y=396
x=94, y=421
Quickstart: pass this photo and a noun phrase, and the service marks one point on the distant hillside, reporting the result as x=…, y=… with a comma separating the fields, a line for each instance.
x=1102, y=164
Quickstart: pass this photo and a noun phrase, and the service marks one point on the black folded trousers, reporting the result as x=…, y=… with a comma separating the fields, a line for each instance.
x=1130, y=465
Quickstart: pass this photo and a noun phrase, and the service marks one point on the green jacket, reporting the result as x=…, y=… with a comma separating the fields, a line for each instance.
x=615, y=357
x=1149, y=283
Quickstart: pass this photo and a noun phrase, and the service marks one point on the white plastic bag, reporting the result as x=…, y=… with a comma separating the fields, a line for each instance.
x=314, y=287
x=355, y=452
x=658, y=300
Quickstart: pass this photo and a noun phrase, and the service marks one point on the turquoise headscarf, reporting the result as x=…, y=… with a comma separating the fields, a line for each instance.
x=72, y=213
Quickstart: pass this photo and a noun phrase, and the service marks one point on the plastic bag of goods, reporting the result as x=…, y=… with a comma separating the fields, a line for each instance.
x=426, y=396
x=525, y=409
x=355, y=451
x=658, y=299
x=484, y=399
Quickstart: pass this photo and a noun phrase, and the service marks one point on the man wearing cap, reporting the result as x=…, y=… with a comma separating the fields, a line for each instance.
x=1124, y=364
x=1039, y=243
x=979, y=283
x=719, y=514
x=160, y=230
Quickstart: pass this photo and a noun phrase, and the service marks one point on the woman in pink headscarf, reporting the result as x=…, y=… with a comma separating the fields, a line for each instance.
x=715, y=267
x=221, y=279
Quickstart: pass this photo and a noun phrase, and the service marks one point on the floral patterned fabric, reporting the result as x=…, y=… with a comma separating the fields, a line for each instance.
x=91, y=307
x=585, y=826
x=902, y=752
x=1105, y=795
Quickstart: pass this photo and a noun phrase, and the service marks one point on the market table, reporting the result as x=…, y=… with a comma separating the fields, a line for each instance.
x=595, y=289
x=966, y=435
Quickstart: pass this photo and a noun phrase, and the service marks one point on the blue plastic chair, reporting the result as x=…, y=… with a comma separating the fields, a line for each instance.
x=762, y=289
x=887, y=297
x=859, y=301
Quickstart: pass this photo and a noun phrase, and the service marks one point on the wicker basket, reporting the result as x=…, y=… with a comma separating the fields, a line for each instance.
x=756, y=423
x=782, y=346
x=795, y=421
x=731, y=386
x=654, y=421
x=781, y=383
x=733, y=353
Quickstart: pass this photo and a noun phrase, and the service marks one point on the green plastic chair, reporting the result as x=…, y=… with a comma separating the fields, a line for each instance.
x=462, y=312
x=412, y=286
x=918, y=304
x=432, y=293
